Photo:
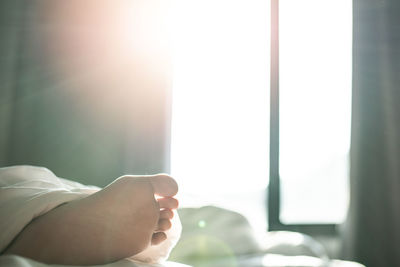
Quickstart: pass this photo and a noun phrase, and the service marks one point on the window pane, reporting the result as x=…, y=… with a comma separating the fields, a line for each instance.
x=220, y=122
x=315, y=109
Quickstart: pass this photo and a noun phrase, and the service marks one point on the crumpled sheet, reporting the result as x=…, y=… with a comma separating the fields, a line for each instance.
x=27, y=192
x=17, y=261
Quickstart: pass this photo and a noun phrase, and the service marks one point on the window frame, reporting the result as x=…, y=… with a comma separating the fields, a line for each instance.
x=273, y=191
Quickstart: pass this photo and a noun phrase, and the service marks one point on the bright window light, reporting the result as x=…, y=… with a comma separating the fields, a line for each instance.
x=315, y=109
x=220, y=120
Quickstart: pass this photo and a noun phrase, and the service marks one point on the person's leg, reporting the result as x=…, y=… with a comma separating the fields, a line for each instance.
x=117, y=222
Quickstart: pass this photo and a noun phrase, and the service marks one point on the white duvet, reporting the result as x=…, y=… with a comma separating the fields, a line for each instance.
x=12, y=260
x=27, y=192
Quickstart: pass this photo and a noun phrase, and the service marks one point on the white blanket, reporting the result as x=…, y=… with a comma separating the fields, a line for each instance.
x=27, y=192
x=12, y=260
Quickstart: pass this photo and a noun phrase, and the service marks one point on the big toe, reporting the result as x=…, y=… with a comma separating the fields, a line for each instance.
x=164, y=185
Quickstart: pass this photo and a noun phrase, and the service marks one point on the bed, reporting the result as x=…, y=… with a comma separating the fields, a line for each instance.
x=228, y=241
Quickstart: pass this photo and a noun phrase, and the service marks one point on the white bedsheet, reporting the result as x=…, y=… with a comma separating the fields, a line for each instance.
x=16, y=261
x=27, y=192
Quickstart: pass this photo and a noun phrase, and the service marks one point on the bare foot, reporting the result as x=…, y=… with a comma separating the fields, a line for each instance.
x=117, y=222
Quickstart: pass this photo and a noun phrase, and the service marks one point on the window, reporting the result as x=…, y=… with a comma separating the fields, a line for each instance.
x=314, y=113
x=220, y=116
x=221, y=150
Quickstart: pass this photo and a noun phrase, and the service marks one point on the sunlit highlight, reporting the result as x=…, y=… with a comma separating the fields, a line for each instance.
x=220, y=122
x=315, y=109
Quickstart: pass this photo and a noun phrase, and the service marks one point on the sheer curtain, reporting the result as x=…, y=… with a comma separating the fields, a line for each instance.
x=372, y=231
x=47, y=119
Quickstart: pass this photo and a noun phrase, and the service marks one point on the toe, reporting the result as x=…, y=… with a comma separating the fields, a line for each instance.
x=164, y=185
x=166, y=214
x=158, y=238
x=164, y=225
x=168, y=203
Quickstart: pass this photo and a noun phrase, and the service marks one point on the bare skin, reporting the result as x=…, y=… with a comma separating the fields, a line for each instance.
x=117, y=222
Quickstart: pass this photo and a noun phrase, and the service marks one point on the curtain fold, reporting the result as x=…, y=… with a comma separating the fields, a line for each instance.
x=10, y=40
x=372, y=231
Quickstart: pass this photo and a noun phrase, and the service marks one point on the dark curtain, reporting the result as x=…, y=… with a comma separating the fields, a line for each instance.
x=372, y=232
x=40, y=126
